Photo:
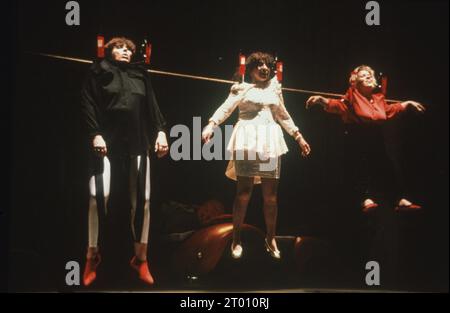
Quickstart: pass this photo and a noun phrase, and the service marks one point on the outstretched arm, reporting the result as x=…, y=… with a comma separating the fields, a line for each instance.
x=416, y=105
x=336, y=106
x=394, y=109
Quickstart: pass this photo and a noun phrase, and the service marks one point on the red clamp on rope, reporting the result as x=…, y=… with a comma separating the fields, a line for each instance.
x=100, y=46
x=148, y=53
x=279, y=71
x=242, y=65
x=384, y=80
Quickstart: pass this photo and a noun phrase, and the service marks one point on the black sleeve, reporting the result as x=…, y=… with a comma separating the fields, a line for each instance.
x=90, y=106
x=155, y=114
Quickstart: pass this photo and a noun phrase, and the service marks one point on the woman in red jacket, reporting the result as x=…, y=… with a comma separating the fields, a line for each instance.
x=364, y=110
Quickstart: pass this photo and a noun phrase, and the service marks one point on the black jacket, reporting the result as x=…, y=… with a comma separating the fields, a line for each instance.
x=118, y=102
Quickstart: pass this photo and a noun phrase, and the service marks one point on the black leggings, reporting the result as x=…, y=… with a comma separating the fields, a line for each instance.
x=116, y=183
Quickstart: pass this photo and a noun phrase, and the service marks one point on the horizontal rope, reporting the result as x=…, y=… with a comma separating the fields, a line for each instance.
x=218, y=80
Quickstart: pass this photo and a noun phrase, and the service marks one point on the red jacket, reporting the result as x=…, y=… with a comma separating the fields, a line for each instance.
x=355, y=108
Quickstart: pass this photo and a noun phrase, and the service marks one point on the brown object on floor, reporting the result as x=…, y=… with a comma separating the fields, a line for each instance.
x=209, y=210
x=200, y=253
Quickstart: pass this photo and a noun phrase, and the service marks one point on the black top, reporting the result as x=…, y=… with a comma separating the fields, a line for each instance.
x=118, y=102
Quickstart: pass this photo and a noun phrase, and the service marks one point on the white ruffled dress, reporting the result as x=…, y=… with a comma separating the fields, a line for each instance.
x=257, y=137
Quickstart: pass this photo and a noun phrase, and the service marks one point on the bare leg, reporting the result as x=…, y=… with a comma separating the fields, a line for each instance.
x=243, y=194
x=269, y=190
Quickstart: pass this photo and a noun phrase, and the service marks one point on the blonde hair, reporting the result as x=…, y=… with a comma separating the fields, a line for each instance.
x=354, y=75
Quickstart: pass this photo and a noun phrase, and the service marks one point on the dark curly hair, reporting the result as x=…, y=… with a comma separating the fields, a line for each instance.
x=258, y=57
x=253, y=61
x=119, y=42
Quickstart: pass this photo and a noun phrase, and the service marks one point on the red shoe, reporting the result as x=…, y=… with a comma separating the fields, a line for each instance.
x=369, y=207
x=406, y=208
x=143, y=270
x=90, y=270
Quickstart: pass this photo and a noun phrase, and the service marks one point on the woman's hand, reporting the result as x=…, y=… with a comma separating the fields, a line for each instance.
x=306, y=149
x=313, y=100
x=416, y=105
x=304, y=145
x=208, y=132
x=161, y=146
x=99, y=145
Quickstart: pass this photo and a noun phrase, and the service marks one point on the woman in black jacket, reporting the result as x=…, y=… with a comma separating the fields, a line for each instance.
x=121, y=114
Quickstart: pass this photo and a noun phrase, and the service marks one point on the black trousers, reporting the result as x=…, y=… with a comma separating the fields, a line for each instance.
x=373, y=160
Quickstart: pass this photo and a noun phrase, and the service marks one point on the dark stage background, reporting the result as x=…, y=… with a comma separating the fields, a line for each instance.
x=320, y=42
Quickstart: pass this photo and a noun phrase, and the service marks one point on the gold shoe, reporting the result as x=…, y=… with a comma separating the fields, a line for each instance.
x=236, y=253
x=276, y=254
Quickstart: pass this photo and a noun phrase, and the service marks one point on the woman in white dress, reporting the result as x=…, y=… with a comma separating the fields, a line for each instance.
x=256, y=144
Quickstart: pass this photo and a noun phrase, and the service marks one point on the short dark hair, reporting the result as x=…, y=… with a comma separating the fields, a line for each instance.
x=256, y=58
x=118, y=42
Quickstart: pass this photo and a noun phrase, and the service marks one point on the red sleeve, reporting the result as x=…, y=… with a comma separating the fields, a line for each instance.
x=336, y=106
x=392, y=110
